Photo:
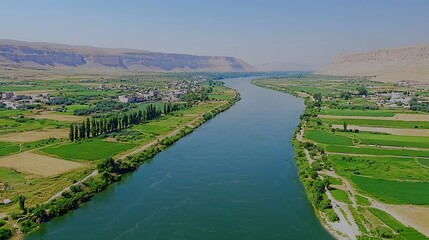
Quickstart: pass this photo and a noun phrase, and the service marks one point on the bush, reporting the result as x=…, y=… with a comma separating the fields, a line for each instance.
x=5, y=234
x=333, y=217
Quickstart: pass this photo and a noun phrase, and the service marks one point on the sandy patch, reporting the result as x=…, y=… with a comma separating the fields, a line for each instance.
x=34, y=92
x=58, y=117
x=36, y=164
x=394, y=131
x=31, y=136
x=411, y=117
x=413, y=215
x=110, y=139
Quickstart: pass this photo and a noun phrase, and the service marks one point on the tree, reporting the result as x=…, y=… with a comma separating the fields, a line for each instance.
x=345, y=126
x=362, y=91
x=21, y=201
x=317, y=99
x=88, y=128
x=71, y=133
x=346, y=95
x=76, y=132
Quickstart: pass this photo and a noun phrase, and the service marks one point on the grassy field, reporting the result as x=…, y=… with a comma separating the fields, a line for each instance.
x=375, y=164
x=395, y=192
x=8, y=148
x=11, y=177
x=377, y=151
x=350, y=112
x=391, y=168
x=92, y=150
x=325, y=137
x=379, y=123
x=341, y=196
x=363, y=201
x=392, y=140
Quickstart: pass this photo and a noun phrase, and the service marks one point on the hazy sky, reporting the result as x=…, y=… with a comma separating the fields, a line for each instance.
x=256, y=31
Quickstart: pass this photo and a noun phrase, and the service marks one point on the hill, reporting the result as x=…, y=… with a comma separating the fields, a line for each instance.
x=66, y=58
x=388, y=65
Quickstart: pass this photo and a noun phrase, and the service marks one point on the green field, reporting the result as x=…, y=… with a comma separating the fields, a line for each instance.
x=328, y=138
x=11, y=177
x=71, y=108
x=392, y=140
x=377, y=151
x=378, y=123
x=27, y=124
x=391, y=168
x=349, y=112
x=93, y=149
x=394, y=192
x=341, y=196
x=8, y=148
x=362, y=200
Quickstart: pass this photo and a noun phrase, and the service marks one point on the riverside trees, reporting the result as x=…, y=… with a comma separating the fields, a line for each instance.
x=97, y=126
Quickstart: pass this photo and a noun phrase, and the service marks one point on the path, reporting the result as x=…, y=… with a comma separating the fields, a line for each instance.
x=94, y=173
x=344, y=226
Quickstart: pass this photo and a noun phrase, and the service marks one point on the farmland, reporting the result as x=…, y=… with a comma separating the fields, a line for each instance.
x=94, y=149
x=378, y=149
x=37, y=158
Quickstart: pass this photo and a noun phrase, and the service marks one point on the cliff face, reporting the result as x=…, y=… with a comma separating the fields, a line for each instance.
x=409, y=63
x=17, y=54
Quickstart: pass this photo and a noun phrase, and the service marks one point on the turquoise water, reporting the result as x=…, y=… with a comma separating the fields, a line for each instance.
x=232, y=178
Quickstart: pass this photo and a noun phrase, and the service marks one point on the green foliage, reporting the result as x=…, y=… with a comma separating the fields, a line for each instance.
x=377, y=151
x=5, y=233
x=332, y=216
x=341, y=196
x=360, y=200
x=8, y=148
x=94, y=149
x=395, y=192
x=326, y=137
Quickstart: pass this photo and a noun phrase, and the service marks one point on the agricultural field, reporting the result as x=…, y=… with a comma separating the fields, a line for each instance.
x=379, y=149
x=8, y=148
x=36, y=164
x=38, y=158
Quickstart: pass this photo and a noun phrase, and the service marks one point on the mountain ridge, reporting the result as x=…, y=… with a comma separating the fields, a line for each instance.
x=50, y=56
x=409, y=63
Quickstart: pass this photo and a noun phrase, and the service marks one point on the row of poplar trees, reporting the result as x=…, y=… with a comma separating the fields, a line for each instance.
x=96, y=126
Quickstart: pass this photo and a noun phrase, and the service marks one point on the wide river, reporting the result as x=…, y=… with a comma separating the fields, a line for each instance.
x=233, y=178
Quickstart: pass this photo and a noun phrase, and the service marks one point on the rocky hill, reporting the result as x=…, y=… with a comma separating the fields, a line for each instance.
x=390, y=65
x=49, y=56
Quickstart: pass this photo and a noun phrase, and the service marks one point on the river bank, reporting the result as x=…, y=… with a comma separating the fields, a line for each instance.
x=232, y=178
x=111, y=170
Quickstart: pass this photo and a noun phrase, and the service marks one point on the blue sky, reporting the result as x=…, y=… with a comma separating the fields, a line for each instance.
x=262, y=31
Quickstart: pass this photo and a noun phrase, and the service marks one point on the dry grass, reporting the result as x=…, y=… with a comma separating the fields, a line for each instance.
x=394, y=131
x=58, y=117
x=34, y=92
x=32, y=136
x=411, y=117
x=412, y=215
x=36, y=164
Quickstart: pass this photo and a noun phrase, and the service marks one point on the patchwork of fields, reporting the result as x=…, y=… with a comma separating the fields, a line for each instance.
x=377, y=160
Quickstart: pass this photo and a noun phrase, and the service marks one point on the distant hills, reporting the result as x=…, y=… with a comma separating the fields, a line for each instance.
x=49, y=56
x=388, y=65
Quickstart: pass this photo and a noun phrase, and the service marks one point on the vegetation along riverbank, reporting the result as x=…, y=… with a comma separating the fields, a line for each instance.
x=365, y=172
x=73, y=144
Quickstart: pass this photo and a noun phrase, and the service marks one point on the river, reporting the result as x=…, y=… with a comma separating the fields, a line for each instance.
x=232, y=178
